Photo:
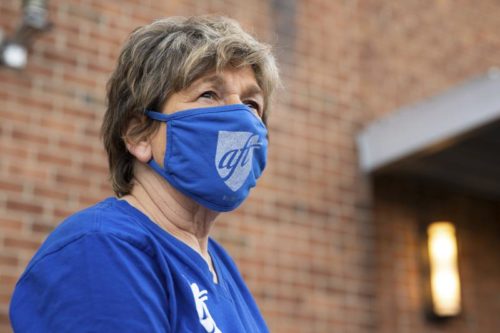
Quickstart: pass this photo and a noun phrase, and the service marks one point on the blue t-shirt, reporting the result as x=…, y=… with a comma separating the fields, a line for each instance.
x=109, y=268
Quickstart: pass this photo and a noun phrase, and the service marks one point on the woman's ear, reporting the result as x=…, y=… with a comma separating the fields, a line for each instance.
x=138, y=144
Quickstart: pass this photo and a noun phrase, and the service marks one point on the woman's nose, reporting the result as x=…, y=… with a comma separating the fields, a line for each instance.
x=233, y=99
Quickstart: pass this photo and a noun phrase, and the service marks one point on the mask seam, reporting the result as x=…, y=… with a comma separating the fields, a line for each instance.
x=200, y=200
x=168, y=147
x=205, y=202
x=175, y=116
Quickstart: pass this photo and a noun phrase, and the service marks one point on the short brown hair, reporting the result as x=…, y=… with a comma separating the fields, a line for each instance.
x=165, y=57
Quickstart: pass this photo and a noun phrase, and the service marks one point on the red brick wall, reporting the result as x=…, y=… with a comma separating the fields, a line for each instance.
x=416, y=49
x=305, y=240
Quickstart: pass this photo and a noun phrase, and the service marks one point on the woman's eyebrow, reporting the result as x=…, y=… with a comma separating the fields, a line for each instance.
x=216, y=79
x=252, y=90
x=213, y=79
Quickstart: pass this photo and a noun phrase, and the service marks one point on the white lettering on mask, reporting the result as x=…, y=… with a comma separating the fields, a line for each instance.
x=233, y=158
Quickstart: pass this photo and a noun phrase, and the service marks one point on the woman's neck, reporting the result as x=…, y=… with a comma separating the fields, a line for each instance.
x=171, y=210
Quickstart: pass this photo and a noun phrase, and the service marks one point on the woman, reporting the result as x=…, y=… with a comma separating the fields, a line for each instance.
x=186, y=139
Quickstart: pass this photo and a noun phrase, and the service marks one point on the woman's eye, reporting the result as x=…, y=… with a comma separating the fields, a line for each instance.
x=254, y=105
x=209, y=94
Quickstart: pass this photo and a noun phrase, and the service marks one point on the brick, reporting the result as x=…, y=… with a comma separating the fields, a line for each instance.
x=14, y=115
x=83, y=113
x=4, y=321
x=9, y=224
x=56, y=159
x=101, y=168
x=8, y=260
x=8, y=280
x=23, y=206
x=26, y=135
x=42, y=227
x=50, y=193
x=71, y=180
x=21, y=243
x=5, y=296
x=76, y=147
x=10, y=186
x=80, y=80
x=60, y=58
x=61, y=213
x=58, y=125
x=35, y=103
x=28, y=172
x=41, y=70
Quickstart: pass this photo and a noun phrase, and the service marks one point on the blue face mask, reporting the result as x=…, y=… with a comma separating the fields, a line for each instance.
x=214, y=155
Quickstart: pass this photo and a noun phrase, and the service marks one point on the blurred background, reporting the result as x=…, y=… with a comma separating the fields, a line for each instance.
x=389, y=121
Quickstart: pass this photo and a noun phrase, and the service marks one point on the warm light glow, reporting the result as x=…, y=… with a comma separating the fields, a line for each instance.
x=445, y=282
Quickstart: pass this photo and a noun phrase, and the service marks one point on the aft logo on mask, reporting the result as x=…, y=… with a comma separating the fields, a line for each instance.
x=233, y=158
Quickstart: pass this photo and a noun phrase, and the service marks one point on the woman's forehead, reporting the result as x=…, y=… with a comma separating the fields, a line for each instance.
x=243, y=76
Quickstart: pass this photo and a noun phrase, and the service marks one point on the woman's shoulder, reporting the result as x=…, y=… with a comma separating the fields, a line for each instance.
x=107, y=218
x=87, y=271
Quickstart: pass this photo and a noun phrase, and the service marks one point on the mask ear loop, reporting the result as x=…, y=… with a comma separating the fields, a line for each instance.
x=159, y=117
x=156, y=115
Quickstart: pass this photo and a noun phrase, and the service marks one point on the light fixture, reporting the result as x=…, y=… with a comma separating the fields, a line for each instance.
x=443, y=268
x=14, y=55
x=14, y=50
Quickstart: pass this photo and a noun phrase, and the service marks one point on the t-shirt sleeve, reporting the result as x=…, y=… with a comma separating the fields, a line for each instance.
x=96, y=283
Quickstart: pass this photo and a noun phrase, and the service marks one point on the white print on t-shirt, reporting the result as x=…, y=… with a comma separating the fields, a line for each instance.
x=206, y=320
